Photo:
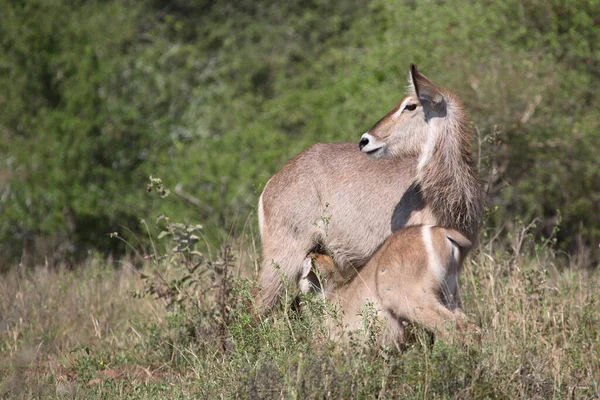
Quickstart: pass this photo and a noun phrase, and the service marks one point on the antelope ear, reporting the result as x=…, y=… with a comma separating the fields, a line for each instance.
x=306, y=267
x=458, y=238
x=423, y=87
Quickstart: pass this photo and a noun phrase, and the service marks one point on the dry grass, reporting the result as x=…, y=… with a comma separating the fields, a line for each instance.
x=540, y=323
x=58, y=325
x=81, y=334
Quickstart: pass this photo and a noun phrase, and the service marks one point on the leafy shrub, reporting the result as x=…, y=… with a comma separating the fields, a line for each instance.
x=215, y=96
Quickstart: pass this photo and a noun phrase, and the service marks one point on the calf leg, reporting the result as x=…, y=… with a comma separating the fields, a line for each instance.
x=438, y=318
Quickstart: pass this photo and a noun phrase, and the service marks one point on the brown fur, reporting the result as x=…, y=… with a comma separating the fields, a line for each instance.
x=336, y=199
x=400, y=281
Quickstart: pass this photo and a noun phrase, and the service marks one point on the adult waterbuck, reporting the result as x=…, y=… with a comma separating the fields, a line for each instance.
x=414, y=166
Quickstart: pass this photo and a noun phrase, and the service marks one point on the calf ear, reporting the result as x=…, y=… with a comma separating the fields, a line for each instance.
x=458, y=238
x=306, y=267
x=424, y=88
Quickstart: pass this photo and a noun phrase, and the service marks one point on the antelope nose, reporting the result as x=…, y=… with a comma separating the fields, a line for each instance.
x=363, y=142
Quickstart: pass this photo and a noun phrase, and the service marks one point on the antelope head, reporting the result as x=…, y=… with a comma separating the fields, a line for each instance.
x=407, y=129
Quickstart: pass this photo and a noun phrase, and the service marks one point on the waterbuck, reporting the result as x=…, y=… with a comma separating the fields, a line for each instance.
x=409, y=279
x=414, y=166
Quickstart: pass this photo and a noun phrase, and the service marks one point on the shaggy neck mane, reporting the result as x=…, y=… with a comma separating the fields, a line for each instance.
x=449, y=182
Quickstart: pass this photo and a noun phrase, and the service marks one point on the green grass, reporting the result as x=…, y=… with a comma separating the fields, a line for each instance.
x=86, y=334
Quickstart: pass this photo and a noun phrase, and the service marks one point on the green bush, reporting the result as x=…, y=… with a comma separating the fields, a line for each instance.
x=214, y=97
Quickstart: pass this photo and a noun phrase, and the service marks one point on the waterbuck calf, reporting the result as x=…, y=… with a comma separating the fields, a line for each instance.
x=412, y=167
x=409, y=279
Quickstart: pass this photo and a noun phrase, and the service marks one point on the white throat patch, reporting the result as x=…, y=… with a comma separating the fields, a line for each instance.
x=429, y=148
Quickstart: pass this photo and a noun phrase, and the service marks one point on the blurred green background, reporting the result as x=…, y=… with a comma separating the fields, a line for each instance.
x=214, y=97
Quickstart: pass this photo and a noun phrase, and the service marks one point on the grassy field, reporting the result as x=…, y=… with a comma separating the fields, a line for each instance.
x=92, y=333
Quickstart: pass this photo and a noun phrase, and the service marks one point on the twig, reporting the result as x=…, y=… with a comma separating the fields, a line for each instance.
x=520, y=239
x=191, y=199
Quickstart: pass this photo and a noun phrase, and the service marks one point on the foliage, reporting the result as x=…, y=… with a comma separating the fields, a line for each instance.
x=215, y=96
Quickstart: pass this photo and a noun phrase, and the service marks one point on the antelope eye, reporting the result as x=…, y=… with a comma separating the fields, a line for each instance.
x=410, y=107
